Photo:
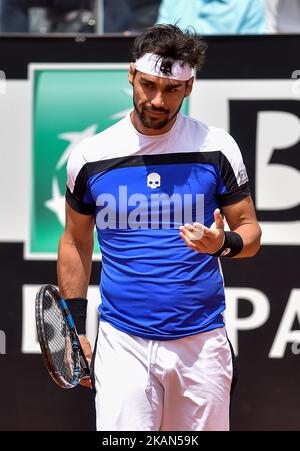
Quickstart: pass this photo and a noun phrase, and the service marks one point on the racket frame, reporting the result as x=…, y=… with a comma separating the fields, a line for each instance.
x=81, y=366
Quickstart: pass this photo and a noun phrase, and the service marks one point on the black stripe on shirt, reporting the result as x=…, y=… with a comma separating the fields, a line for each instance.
x=234, y=194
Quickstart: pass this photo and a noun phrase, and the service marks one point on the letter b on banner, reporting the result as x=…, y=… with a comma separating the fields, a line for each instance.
x=269, y=130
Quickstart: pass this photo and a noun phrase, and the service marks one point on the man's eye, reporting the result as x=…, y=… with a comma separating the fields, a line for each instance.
x=175, y=89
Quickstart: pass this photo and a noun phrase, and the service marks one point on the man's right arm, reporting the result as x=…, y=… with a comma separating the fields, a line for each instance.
x=75, y=254
x=74, y=264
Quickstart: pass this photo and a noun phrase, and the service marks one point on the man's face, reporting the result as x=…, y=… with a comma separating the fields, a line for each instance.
x=156, y=101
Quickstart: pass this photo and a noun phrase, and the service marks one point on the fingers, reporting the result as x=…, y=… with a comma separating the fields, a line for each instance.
x=194, y=232
x=86, y=382
x=219, y=221
x=86, y=347
x=201, y=238
x=189, y=235
x=184, y=236
x=89, y=360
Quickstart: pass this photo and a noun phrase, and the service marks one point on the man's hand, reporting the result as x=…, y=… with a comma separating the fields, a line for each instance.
x=86, y=347
x=204, y=239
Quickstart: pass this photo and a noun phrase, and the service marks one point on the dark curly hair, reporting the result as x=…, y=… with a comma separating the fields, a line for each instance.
x=171, y=44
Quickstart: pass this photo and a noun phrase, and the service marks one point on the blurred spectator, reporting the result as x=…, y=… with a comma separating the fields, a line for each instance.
x=215, y=16
x=144, y=13
x=59, y=15
x=117, y=15
x=14, y=16
x=129, y=15
x=283, y=16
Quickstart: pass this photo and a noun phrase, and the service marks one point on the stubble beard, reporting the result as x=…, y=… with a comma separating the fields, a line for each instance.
x=148, y=122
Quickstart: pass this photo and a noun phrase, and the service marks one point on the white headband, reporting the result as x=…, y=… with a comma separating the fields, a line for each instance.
x=148, y=64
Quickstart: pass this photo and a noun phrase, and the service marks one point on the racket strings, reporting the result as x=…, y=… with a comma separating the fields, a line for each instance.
x=59, y=339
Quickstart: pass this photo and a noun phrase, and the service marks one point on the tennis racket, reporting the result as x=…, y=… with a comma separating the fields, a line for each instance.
x=58, y=338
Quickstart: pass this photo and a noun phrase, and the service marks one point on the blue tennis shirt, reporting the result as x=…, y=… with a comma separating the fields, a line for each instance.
x=140, y=189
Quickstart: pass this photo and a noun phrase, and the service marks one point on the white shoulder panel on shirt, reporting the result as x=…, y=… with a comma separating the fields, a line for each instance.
x=122, y=140
x=228, y=146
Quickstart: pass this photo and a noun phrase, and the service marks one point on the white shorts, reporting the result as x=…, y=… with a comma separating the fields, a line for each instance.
x=168, y=385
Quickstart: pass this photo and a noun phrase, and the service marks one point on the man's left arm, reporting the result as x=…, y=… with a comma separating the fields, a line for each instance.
x=243, y=242
x=241, y=218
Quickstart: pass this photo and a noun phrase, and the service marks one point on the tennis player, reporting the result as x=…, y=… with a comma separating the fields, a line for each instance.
x=158, y=186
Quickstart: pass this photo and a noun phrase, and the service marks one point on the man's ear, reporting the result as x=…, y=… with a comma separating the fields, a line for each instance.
x=131, y=73
x=189, y=87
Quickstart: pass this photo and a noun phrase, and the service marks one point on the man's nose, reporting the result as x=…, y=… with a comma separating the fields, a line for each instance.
x=158, y=100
